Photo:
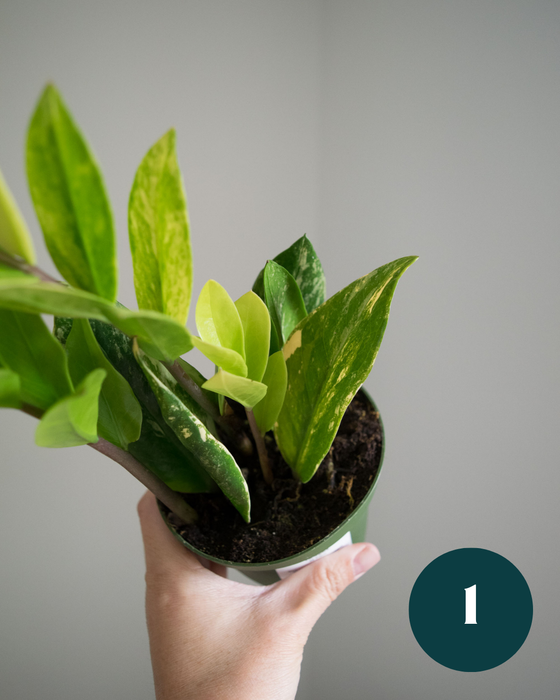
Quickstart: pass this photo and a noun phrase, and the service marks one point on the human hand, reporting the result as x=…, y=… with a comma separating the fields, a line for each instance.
x=211, y=638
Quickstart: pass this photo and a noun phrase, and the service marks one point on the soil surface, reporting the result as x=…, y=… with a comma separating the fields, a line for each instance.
x=288, y=517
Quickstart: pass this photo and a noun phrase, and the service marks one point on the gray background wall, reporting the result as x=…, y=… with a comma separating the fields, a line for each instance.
x=380, y=128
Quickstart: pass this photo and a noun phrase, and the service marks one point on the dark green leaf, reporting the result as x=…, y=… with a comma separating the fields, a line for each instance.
x=328, y=357
x=158, y=448
x=210, y=453
x=72, y=421
x=120, y=415
x=70, y=200
x=283, y=299
x=159, y=233
x=172, y=463
x=10, y=389
x=29, y=349
x=162, y=337
x=14, y=234
x=301, y=261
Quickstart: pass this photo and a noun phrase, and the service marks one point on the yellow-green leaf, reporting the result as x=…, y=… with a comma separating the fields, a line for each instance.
x=230, y=360
x=245, y=391
x=217, y=318
x=72, y=421
x=158, y=227
x=255, y=320
x=14, y=234
x=70, y=200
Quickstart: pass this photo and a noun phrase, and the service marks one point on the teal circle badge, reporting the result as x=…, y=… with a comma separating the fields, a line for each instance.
x=470, y=609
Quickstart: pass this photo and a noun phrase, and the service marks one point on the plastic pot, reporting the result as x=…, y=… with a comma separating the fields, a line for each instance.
x=265, y=572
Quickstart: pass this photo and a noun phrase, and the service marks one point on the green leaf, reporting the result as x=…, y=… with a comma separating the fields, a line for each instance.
x=245, y=391
x=73, y=420
x=70, y=200
x=162, y=337
x=301, y=261
x=9, y=274
x=28, y=348
x=210, y=453
x=255, y=320
x=10, y=389
x=158, y=448
x=14, y=234
x=158, y=228
x=283, y=299
x=217, y=318
x=120, y=415
x=276, y=379
x=328, y=357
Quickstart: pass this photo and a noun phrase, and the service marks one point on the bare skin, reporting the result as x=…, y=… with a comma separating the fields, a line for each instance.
x=214, y=639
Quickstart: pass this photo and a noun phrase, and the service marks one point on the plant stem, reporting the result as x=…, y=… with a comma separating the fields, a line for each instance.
x=32, y=410
x=25, y=267
x=192, y=388
x=170, y=498
x=160, y=490
x=261, y=447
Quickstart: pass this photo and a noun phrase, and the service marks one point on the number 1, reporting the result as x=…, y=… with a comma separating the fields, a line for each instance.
x=470, y=605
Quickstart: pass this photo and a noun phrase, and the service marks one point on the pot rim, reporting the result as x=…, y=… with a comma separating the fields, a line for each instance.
x=309, y=552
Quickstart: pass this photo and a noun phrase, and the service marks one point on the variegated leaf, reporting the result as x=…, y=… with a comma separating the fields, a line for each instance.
x=329, y=356
x=193, y=434
x=120, y=414
x=158, y=227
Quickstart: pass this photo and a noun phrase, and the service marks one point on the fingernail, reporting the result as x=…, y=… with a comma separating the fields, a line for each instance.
x=364, y=560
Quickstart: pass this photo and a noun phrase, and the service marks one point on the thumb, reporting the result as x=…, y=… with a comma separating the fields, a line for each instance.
x=165, y=557
x=309, y=591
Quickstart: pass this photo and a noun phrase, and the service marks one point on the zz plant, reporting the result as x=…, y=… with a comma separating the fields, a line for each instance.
x=115, y=378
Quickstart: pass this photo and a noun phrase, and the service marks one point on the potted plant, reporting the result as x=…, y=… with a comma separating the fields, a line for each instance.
x=264, y=465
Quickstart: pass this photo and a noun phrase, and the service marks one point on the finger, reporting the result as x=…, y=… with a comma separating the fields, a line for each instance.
x=309, y=591
x=164, y=554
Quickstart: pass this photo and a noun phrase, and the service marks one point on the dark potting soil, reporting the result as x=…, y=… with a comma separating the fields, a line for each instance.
x=288, y=517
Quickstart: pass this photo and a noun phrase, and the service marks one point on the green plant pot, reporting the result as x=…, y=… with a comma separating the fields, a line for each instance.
x=265, y=572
